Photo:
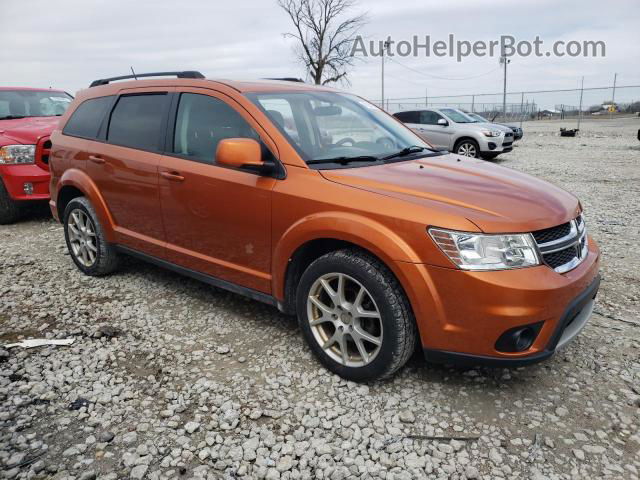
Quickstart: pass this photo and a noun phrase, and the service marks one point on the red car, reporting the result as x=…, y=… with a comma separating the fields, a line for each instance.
x=27, y=118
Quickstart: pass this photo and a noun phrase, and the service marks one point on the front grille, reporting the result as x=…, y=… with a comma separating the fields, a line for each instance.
x=553, y=233
x=46, y=147
x=557, y=259
x=563, y=247
x=43, y=150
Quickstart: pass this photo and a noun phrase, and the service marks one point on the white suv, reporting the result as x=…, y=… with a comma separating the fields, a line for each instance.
x=453, y=130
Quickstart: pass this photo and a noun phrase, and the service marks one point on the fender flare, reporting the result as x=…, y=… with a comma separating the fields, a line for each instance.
x=80, y=180
x=387, y=245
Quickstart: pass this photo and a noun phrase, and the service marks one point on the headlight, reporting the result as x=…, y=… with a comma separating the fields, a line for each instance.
x=473, y=251
x=17, y=154
x=492, y=133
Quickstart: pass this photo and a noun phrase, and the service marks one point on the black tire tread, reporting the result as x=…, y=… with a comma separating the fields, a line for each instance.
x=470, y=140
x=108, y=259
x=395, y=297
x=10, y=211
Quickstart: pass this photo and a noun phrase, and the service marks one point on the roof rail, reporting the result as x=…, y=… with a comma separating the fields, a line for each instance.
x=287, y=79
x=185, y=74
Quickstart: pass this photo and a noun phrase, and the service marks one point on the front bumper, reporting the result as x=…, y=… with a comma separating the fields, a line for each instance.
x=462, y=314
x=15, y=176
x=500, y=144
x=571, y=323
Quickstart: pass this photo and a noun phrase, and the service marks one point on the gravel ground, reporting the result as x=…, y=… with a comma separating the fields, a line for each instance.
x=170, y=378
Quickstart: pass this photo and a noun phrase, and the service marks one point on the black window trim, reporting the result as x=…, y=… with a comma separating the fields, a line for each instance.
x=163, y=122
x=105, y=115
x=279, y=172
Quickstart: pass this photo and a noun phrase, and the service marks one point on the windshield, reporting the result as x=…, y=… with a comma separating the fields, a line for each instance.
x=328, y=126
x=477, y=117
x=457, y=116
x=33, y=103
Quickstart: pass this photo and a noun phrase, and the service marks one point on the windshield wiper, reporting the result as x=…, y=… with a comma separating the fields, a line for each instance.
x=344, y=160
x=12, y=117
x=405, y=151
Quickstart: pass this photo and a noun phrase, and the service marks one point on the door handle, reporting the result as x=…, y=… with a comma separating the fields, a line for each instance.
x=173, y=176
x=98, y=160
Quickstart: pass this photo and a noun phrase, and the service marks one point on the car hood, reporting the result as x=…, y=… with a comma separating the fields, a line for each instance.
x=495, y=198
x=26, y=130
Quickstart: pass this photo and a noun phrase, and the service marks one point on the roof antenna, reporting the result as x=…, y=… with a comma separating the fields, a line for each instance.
x=134, y=73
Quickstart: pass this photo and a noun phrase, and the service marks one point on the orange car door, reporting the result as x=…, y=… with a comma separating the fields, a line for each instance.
x=125, y=167
x=217, y=220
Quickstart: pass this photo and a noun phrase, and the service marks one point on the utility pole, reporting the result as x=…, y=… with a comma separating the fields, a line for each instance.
x=580, y=107
x=385, y=46
x=504, y=61
x=613, y=97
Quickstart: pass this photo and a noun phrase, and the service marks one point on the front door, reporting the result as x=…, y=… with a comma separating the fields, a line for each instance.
x=217, y=220
x=440, y=135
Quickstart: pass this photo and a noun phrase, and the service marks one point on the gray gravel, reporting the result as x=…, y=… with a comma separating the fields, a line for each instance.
x=170, y=378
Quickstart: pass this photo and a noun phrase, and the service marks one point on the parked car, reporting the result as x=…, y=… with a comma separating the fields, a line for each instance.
x=27, y=117
x=451, y=129
x=377, y=242
x=517, y=131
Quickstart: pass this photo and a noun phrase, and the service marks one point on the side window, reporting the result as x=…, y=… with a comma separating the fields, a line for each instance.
x=202, y=121
x=136, y=121
x=280, y=112
x=429, y=118
x=409, y=117
x=85, y=121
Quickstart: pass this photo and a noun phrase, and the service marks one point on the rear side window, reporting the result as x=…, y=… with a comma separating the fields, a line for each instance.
x=407, y=117
x=85, y=121
x=201, y=123
x=137, y=121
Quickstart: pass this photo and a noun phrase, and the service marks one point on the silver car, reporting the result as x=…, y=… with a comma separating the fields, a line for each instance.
x=453, y=130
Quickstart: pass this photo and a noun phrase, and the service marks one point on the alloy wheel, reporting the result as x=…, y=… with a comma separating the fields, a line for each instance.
x=467, y=150
x=344, y=319
x=82, y=237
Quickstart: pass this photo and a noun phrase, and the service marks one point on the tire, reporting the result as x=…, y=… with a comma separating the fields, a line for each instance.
x=467, y=148
x=10, y=211
x=489, y=156
x=98, y=257
x=394, y=328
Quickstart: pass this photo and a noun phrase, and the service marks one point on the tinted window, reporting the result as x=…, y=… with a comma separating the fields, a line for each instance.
x=407, y=117
x=429, y=118
x=202, y=122
x=86, y=119
x=136, y=121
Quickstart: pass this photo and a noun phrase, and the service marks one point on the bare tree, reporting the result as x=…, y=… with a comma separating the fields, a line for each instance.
x=325, y=35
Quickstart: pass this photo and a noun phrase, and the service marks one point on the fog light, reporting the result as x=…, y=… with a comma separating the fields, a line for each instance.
x=28, y=188
x=518, y=339
x=492, y=146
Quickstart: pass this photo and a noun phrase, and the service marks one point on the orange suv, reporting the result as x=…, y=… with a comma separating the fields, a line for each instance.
x=319, y=203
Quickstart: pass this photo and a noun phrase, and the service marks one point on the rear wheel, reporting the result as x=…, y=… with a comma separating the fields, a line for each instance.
x=86, y=241
x=10, y=211
x=467, y=148
x=355, y=316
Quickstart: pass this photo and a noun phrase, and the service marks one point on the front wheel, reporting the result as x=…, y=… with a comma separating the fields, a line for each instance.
x=10, y=211
x=467, y=148
x=355, y=316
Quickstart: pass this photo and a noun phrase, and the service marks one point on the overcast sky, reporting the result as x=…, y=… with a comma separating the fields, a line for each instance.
x=69, y=43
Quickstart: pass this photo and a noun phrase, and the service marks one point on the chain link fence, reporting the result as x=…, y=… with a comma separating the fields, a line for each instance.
x=533, y=105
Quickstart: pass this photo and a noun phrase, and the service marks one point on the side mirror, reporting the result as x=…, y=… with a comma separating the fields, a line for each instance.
x=442, y=122
x=240, y=153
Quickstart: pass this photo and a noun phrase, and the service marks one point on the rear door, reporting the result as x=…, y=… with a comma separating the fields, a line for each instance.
x=217, y=219
x=125, y=167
